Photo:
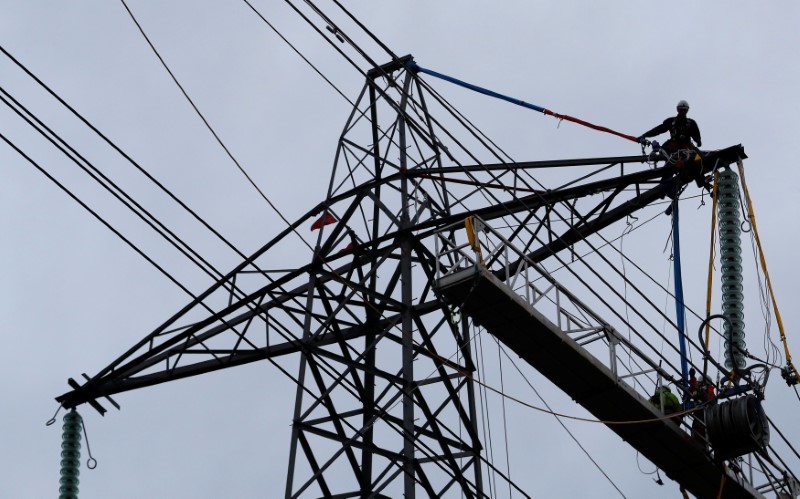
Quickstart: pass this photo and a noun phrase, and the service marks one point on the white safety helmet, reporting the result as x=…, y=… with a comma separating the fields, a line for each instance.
x=682, y=104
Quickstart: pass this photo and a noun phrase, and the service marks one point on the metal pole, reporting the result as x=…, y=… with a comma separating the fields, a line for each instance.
x=473, y=414
x=407, y=323
x=372, y=317
x=298, y=401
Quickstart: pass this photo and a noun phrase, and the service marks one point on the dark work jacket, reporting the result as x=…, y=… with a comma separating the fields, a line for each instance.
x=680, y=129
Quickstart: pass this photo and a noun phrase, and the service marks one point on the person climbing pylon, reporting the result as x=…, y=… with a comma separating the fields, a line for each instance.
x=682, y=130
x=679, y=148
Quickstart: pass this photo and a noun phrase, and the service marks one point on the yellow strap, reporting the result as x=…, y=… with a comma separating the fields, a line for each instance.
x=470, y=231
x=764, y=267
x=711, y=254
x=469, y=223
x=722, y=481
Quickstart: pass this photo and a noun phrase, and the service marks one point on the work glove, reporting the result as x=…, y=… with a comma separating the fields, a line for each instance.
x=642, y=140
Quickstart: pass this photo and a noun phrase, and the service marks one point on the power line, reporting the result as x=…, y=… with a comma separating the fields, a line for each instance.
x=197, y=110
x=95, y=214
x=109, y=185
x=114, y=146
x=273, y=28
x=558, y=418
x=505, y=417
x=196, y=299
x=367, y=31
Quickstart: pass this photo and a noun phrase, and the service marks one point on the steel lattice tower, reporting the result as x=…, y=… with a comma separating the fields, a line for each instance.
x=385, y=404
x=404, y=413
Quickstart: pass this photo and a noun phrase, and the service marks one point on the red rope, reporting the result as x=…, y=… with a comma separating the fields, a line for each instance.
x=590, y=125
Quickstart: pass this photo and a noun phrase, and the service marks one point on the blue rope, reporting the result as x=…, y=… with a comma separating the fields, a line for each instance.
x=680, y=310
x=415, y=67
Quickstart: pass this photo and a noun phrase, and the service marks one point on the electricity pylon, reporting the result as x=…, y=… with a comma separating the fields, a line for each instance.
x=386, y=388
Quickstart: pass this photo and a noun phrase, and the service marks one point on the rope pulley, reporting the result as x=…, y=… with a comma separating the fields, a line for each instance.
x=789, y=375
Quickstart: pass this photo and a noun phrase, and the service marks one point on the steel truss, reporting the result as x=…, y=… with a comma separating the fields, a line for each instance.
x=385, y=403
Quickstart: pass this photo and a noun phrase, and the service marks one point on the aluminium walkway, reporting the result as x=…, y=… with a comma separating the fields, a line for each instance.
x=507, y=316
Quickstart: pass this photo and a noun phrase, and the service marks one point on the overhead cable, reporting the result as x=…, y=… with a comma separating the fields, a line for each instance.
x=95, y=214
x=558, y=418
x=194, y=106
x=789, y=363
x=273, y=28
x=118, y=193
x=114, y=146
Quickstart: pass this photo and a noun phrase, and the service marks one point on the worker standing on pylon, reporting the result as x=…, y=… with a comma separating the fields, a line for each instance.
x=679, y=148
x=681, y=129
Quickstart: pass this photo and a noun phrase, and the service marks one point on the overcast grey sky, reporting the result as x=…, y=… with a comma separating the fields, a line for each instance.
x=74, y=297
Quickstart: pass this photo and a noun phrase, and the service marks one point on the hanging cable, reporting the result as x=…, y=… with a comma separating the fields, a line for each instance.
x=711, y=256
x=91, y=463
x=560, y=422
x=207, y=124
x=505, y=418
x=790, y=374
x=486, y=426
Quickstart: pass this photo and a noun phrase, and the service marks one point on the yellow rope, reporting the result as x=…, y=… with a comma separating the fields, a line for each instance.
x=764, y=267
x=722, y=481
x=711, y=254
x=469, y=223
